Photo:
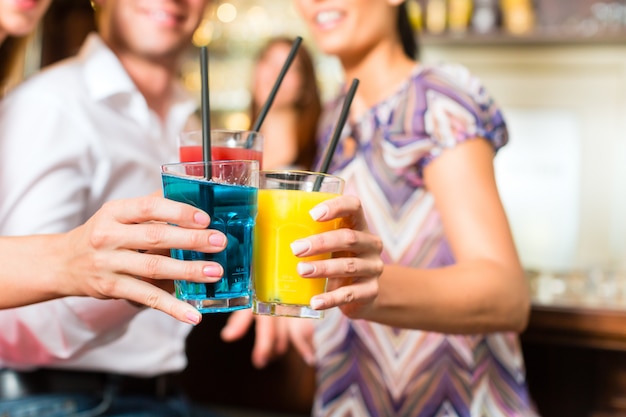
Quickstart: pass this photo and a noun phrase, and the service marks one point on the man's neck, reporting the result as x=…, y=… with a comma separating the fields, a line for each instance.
x=154, y=80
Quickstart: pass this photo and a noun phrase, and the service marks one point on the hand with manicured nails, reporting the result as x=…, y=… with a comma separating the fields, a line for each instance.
x=121, y=252
x=352, y=274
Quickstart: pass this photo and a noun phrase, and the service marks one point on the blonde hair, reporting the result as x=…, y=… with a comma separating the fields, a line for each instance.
x=12, y=52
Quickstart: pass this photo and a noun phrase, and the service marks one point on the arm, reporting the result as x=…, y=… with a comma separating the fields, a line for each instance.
x=101, y=258
x=46, y=170
x=485, y=290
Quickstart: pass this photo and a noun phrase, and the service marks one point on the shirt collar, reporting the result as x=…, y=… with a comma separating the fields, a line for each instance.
x=106, y=77
x=104, y=74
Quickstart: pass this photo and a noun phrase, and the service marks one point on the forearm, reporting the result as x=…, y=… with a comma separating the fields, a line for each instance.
x=472, y=297
x=44, y=267
x=35, y=270
x=28, y=270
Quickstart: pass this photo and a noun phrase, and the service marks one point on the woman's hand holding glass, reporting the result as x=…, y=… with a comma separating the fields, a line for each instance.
x=352, y=274
x=356, y=264
x=123, y=252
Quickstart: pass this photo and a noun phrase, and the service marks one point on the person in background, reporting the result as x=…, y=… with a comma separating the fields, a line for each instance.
x=17, y=21
x=105, y=120
x=95, y=259
x=289, y=127
x=441, y=337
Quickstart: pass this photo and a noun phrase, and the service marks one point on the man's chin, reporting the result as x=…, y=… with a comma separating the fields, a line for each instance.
x=161, y=53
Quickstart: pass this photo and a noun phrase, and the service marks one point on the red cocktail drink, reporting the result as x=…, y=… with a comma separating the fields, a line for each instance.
x=225, y=145
x=219, y=153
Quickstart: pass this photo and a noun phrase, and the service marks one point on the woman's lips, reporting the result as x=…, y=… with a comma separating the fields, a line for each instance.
x=26, y=5
x=164, y=17
x=328, y=18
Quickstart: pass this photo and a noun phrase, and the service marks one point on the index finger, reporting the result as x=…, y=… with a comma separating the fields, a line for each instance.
x=345, y=206
x=160, y=209
x=151, y=296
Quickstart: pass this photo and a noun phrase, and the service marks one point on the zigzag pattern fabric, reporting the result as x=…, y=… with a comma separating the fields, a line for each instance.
x=368, y=369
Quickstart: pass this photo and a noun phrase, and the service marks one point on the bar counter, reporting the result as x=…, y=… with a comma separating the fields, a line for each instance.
x=575, y=345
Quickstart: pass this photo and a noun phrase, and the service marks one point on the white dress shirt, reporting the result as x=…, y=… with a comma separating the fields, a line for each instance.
x=71, y=138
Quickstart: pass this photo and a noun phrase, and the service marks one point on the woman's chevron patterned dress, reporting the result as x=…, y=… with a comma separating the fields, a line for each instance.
x=368, y=369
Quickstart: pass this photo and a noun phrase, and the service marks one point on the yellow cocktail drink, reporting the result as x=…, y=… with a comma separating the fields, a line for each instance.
x=283, y=217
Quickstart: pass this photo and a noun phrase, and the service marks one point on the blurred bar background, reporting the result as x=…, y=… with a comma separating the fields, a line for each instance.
x=558, y=68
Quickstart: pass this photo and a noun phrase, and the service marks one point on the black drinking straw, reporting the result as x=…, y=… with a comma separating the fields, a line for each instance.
x=206, y=111
x=206, y=198
x=268, y=103
x=332, y=145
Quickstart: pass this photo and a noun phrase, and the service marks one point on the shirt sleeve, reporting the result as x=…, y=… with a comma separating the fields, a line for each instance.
x=458, y=108
x=45, y=168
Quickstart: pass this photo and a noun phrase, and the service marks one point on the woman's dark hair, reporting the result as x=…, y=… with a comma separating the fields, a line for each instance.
x=308, y=106
x=407, y=35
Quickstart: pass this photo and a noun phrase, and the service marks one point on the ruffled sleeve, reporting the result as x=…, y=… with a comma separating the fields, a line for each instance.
x=457, y=108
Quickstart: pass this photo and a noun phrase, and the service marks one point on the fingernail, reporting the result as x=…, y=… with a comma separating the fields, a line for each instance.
x=217, y=239
x=304, y=268
x=212, y=271
x=318, y=212
x=201, y=218
x=193, y=317
x=317, y=303
x=300, y=246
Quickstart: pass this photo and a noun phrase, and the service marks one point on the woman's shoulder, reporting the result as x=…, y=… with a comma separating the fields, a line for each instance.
x=445, y=72
x=456, y=98
x=451, y=79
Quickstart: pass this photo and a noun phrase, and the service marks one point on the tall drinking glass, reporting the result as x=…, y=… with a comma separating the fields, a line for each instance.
x=225, y=145
x=285, y=198
x=227, y=191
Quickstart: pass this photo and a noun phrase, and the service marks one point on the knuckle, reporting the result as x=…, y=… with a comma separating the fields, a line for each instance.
x=380, y=266
x=348, y=297
x=99, y=237
x=375, y=288
x=106, y=287
x=152, y=265
x=378, y=244
x=317, y=241
x=99, y=262
x=350, y=237
x=371, y=286
x=321, y=269
x=196, y=239
x=111, y=206
x=154, y=234
x=147, y=205
x=152, y=299
x=350, y=267
x=190, y=270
